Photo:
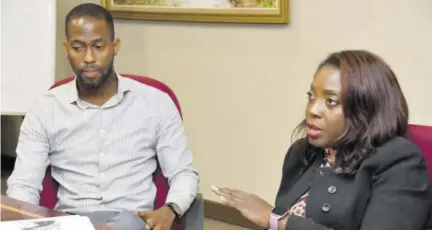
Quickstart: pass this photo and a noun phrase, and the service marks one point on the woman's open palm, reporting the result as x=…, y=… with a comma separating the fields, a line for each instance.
x=249, y=205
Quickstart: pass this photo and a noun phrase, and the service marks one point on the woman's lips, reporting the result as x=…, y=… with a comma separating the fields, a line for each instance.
x=313, y=130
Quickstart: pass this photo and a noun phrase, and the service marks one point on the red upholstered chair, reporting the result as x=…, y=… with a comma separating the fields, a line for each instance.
x=192, y=219
x=422, y=137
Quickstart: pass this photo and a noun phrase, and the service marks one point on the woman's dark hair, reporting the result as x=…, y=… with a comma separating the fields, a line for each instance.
x=374, y=106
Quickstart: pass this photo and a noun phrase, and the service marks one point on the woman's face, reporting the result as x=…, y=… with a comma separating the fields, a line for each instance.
x=324, y=112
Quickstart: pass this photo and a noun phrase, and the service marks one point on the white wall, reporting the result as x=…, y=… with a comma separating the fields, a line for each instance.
x=28, y=51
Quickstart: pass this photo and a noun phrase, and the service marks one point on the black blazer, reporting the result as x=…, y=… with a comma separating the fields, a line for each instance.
x=389, y=191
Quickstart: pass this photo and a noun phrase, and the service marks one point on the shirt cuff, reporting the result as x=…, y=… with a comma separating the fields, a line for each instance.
x=21, y=195
x=183, y=203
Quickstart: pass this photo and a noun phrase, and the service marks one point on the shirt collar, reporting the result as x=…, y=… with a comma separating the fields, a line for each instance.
x=123, y=86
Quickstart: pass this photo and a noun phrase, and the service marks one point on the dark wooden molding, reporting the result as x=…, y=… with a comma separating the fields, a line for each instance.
x=220, y=212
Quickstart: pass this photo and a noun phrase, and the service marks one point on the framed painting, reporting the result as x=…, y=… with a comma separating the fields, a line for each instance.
x=234, y=11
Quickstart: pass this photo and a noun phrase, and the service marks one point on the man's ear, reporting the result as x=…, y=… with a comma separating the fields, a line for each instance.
x=116, y=45
x=65, y=46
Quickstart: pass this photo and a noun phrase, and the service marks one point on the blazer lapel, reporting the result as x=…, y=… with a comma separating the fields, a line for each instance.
x=303, y=184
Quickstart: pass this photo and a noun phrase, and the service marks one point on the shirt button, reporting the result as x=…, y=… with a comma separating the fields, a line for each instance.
x=321, y=173
x=325, y=207
x=332, y=189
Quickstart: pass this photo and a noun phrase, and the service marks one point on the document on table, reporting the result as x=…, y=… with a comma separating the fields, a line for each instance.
x=74, y=222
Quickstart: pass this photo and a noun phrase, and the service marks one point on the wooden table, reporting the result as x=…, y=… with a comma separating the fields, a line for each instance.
x=12, y=209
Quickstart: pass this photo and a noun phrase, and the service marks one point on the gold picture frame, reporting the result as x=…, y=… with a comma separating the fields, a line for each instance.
x=232, y=11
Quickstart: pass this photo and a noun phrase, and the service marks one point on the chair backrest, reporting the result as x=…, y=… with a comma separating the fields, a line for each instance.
x=422, y=137
x=48, y=196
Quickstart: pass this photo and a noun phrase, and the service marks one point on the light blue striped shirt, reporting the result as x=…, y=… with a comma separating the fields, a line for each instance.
x=103, y=157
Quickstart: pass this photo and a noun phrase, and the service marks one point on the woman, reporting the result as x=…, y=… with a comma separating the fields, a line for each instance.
x=354, y=170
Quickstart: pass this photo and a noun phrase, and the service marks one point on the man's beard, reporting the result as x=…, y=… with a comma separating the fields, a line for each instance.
x=95, y=83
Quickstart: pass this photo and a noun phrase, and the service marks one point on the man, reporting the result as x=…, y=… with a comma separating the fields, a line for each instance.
x=102, y=134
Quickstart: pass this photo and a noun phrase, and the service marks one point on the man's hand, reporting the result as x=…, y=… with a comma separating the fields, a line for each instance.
x=161, y=219
x=250, y=206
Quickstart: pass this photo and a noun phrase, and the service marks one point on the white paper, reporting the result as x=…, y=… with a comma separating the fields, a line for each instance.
x=73, y=222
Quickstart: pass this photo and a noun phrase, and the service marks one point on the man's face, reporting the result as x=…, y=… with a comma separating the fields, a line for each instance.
x=90, y=50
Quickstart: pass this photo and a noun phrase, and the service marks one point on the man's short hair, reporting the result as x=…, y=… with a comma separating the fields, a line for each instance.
x=93, y=11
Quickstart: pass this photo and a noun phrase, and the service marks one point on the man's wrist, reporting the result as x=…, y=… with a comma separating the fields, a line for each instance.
x=168, y=210
x=174, y=209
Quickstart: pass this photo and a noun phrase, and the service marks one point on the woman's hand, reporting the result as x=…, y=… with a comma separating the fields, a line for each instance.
x=250, y=206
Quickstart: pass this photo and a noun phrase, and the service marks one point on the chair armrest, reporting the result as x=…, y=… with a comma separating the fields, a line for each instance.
x=193, y=219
